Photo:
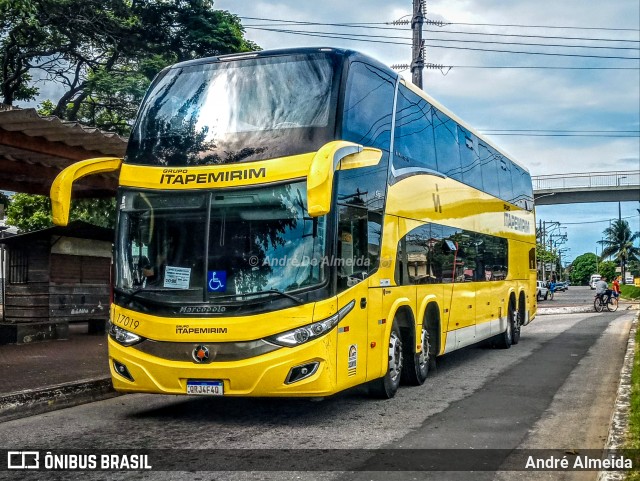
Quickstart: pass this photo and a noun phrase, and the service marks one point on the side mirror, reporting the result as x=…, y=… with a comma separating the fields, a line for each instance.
x=336, y=155
x=62, y=185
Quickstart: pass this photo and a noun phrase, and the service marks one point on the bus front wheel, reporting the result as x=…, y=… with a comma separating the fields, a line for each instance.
x=387, y=386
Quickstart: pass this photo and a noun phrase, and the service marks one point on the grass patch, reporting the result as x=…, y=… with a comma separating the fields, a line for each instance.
x=633, y=435
x=630, y=292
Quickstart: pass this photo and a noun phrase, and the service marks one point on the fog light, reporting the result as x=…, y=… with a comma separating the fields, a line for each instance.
x=122, y=370
x=299, y=373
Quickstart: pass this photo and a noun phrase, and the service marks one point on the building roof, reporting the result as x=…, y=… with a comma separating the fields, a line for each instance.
x=34, y=149
x=78, y=229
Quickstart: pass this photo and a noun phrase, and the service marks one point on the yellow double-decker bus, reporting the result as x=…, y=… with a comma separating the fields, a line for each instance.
x=297, y=222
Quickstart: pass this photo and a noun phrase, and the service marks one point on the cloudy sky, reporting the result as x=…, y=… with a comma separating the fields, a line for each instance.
x=557, y=100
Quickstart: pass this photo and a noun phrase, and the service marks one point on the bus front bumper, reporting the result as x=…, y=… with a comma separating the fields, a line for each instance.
x=264, y=375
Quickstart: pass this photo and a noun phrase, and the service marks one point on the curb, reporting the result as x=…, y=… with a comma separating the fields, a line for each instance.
x=542, y=311
x=37, y=401
x=620, y=418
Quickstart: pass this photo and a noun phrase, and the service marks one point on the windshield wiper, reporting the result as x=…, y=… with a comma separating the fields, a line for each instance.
x=297, y=300
x=131, y=294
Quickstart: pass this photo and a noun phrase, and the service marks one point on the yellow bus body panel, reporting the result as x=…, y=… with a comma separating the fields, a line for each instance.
x=356, y=350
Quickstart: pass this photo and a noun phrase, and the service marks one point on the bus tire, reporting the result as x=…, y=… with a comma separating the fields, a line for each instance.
x=505, y=340
x=514, y=318
x=417, y=364
x=387, y=386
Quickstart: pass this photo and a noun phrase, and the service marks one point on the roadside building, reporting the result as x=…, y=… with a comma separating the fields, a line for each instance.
x=55, y=276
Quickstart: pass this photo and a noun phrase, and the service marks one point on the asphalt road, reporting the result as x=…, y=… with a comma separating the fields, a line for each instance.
x=554, y=390
x=574, y=296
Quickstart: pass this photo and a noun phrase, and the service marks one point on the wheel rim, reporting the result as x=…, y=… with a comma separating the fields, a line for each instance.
x=598, y=304
x=509, y=332
x=423, y=359
x=516, y=321
x=395, y=356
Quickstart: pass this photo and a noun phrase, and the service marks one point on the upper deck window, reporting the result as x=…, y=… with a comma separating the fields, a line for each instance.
x=236, y=111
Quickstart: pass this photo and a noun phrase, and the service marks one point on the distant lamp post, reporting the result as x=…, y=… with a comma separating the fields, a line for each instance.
x=618, y=179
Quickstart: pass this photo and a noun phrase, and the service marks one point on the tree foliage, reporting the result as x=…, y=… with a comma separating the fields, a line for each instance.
x=33, y=212
x=618, y=243
x=583, y=267
x=607, y=269
x=105, y=52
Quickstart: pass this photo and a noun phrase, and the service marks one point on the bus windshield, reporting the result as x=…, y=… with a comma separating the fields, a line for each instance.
x=196, y=247
x=236, y=111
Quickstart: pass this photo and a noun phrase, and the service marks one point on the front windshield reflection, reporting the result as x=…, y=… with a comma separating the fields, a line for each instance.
x=220, y=245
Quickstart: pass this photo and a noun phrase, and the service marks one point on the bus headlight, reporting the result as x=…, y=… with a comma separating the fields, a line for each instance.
x=303, y=334
x=122, y=336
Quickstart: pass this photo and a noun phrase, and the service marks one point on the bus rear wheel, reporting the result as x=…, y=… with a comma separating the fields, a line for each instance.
x=514, y=315
x=417, y=365
x=387, y=386
x=505, y=340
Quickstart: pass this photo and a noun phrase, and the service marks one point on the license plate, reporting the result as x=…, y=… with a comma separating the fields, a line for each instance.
x=205, y=388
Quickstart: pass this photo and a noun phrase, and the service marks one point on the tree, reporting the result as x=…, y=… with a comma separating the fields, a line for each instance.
x=105, y=52
x=607, y=269
x=583, y=267
x=33, y=212
x=619, y=244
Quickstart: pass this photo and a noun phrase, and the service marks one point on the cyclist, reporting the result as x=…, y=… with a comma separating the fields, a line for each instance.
x=602, y=289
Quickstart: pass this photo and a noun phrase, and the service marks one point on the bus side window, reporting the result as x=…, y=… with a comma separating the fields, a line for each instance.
x=447, y=148
x=470, y=159
x=414, y=145
x=366, y=120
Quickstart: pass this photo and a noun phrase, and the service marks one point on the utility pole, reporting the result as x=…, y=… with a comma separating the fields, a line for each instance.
x=417, y=49
x=543, y=243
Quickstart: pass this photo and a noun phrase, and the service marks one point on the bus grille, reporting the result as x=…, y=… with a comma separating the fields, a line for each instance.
x=217, y=351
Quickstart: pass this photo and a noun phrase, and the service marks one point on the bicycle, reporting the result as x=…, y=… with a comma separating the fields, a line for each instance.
x=605, y=300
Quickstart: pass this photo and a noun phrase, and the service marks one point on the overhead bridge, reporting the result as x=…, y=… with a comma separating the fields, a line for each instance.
x=589, y=187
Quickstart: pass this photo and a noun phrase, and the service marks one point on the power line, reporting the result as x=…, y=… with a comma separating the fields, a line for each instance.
x=341, y=37
x=561, y=130
x=374, y=26
x=564, y=135
x=458, y=40
x=549, y=67
x=546, y=26
x=599, y=221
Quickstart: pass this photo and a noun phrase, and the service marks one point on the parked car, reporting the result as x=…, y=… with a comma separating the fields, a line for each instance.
x=561, y=286
x=541, y=291
x=592, y=281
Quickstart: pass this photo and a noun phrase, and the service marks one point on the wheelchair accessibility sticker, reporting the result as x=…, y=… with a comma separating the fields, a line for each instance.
x=217, y=281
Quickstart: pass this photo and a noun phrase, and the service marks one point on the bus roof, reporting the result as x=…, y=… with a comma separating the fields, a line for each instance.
x=352, y=54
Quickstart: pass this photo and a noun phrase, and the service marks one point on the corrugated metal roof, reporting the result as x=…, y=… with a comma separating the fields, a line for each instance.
x=28, y=122
x=34, y=149
x=77, y=228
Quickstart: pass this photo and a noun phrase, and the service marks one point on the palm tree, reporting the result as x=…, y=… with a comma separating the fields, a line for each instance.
x=619, y=244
